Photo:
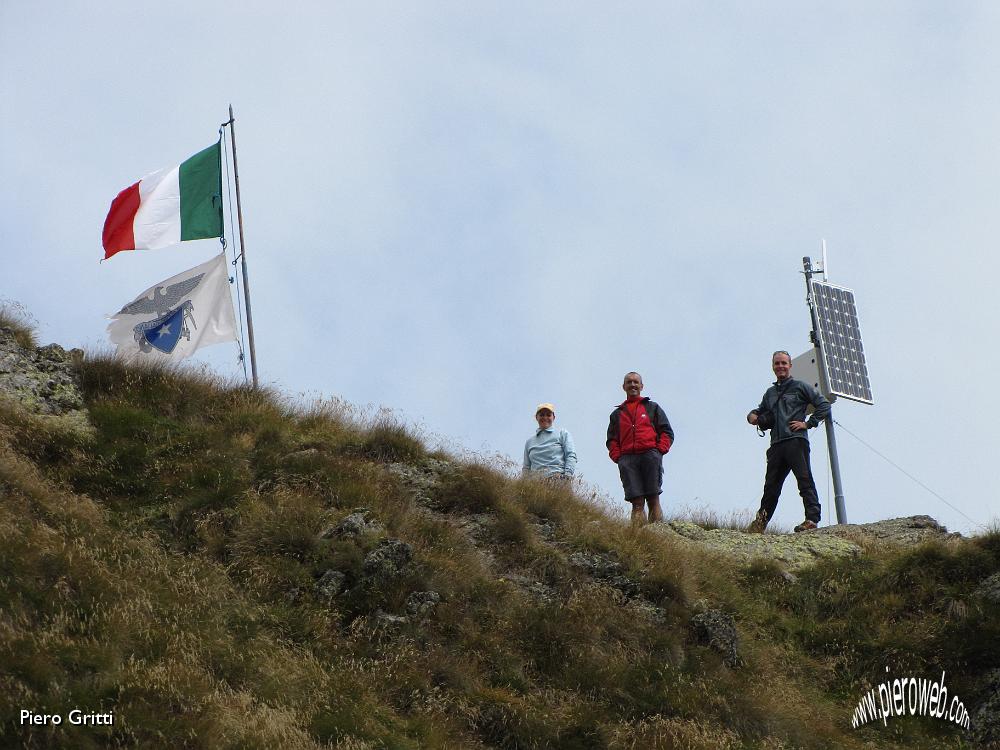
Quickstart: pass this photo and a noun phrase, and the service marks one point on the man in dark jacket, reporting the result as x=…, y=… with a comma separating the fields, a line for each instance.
x=783, y=411
x=638, y=436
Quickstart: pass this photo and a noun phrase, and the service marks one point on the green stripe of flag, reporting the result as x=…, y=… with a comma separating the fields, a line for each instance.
x=200, y=179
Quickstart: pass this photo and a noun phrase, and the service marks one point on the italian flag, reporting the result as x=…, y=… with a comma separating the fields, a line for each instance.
x=168, y=206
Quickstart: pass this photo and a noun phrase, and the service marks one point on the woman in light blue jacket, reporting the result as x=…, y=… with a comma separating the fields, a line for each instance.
x=549, y=451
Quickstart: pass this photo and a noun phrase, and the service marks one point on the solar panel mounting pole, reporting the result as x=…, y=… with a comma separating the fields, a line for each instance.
x=831, y=437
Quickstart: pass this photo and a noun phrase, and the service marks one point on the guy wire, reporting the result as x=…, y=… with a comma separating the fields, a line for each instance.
x=904, y=471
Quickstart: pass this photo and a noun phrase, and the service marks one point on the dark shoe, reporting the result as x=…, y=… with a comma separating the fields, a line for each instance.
x=759, y=523
x=806, y=525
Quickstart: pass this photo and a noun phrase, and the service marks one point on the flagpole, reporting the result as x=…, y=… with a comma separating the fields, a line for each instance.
x=243, y=253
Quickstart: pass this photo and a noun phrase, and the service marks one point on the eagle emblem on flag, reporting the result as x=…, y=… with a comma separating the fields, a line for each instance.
x=171, y=324
x=161, y=321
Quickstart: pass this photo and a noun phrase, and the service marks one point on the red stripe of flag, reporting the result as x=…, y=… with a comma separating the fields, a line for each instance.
x=118, y=226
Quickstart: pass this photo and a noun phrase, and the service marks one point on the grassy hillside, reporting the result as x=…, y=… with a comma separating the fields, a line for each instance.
x=197, y=566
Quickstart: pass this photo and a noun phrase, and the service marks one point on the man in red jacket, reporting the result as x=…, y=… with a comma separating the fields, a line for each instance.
x=638, y=436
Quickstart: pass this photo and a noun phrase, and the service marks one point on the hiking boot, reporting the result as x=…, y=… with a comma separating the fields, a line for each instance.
x=759, y=523
x=806, y=525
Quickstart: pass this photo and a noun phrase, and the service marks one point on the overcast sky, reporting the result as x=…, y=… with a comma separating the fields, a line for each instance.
x=459, y=210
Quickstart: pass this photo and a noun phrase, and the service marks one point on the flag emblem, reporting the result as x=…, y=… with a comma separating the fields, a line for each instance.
x=164, y=332
x=162, y=320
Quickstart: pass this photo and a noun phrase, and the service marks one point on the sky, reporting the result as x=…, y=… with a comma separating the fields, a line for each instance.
x=460, y=210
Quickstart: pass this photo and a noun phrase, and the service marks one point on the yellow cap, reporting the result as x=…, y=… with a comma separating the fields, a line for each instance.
x=550, y=407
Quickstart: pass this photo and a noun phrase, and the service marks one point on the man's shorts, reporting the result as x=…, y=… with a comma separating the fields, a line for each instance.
x=642, y=473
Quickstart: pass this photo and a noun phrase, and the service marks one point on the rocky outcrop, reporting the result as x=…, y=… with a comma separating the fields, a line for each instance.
x=797, y=551
x=793, y=551
x=422, y=477
x=330, y=584
x=902, y=531
x=985, y=723
x=358, y=523
x=42, y=381
x=602, y=568
x=420, y=604
x=989, y=589
x=388, y=560
x=717, y=630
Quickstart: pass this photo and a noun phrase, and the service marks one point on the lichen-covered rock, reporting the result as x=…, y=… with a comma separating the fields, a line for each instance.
x=537, y=590
x=903, y=531
x=797, y=551
x=603, y=568
x=717, y=629
x=985, y=724
x=330, y=584
x=598, y=566
x=357, y=523
x=422, y=477
x=546, y=529
x=419, y=604
x=42, y=381
x=989, y=589
x=793, y=551
x=386, y=621
x=387, y=560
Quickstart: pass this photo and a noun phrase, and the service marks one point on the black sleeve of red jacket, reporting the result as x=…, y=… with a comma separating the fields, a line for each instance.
x=612, y=441
x=664, y=432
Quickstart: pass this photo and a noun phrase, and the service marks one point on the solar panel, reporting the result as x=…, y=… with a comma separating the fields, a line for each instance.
x=840, y=342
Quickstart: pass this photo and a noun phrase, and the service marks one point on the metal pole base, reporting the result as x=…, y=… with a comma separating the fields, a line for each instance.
x=838, y=487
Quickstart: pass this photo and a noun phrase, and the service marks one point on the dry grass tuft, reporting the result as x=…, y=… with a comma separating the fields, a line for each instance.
x=708, y=518
x=474, y=488
x=662, y=733
x=15, y=318
x=386, y=438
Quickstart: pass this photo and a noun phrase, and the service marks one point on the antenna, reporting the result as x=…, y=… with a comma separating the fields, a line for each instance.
x=825, y=267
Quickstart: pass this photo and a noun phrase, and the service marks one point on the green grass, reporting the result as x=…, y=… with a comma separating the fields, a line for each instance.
x=164, y=566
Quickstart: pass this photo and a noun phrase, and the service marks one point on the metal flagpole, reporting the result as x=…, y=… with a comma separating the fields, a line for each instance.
x=831, y=438
x=243, y=253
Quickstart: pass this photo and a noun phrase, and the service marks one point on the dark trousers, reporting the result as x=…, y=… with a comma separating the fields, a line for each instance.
x=790, y=455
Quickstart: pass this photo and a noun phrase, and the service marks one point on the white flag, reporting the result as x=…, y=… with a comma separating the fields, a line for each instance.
x=179, y=315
